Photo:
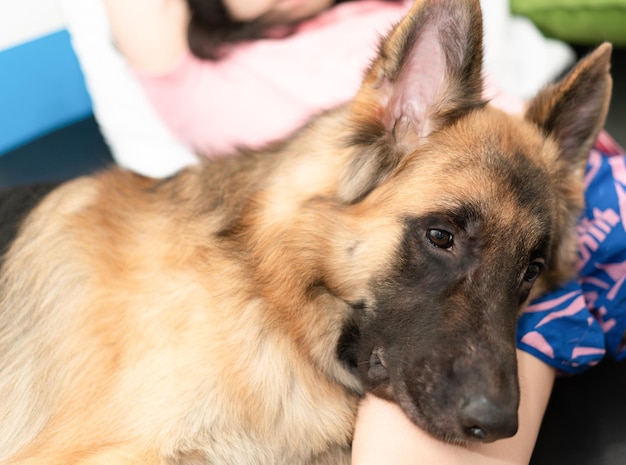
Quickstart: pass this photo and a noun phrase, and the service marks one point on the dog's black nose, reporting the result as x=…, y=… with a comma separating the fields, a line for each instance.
x=485, y=421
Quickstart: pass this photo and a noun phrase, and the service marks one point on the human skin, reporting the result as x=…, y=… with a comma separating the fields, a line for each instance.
x=275, y=11
x=152, y=34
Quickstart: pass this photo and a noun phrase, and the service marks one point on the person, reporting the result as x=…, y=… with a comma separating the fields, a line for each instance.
x=158, y=105
x=280, y=87
x=251, y=92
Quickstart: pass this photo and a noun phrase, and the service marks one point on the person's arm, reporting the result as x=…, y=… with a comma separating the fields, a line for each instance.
x=151, y=34
x=384, y=435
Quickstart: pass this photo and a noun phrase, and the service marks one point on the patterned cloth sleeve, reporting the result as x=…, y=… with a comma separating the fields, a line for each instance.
x=572, y=328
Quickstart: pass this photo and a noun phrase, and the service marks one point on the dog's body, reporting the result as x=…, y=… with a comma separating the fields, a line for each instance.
x=235, y=313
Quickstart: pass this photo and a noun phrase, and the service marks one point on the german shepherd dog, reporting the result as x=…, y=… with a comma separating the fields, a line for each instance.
x=236, y=312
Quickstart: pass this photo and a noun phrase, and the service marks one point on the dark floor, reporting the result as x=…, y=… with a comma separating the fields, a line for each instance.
x=586, y=420
x=66, y=153
x=585, y=423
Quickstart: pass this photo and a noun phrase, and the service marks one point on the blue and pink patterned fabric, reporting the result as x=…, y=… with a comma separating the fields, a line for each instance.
x=575, y=326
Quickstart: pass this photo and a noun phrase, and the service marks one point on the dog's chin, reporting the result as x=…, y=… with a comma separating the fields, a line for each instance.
x=444, y=423
x=447, y=433
x=436, y=426
x=379, y=383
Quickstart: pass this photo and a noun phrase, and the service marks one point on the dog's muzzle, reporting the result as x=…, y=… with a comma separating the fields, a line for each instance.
x=477, y=416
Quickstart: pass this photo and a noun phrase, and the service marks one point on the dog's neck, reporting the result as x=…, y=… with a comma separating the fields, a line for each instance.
x=279, y=218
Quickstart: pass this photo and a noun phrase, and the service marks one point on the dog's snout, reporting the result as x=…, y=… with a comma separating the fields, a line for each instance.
x=484, y=420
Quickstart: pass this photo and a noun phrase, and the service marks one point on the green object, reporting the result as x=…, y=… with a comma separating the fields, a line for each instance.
x=585, y=22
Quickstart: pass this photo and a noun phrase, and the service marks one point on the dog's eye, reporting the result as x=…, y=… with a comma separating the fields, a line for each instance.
x=440, y=238
x=533, y=271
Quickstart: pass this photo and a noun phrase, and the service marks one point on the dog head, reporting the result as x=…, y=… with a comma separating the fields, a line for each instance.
x=456, y=210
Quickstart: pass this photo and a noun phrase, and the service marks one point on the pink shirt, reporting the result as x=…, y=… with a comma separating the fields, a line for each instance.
x=264, y=89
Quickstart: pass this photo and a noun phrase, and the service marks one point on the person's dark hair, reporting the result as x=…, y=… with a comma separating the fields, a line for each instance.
x=211, y=29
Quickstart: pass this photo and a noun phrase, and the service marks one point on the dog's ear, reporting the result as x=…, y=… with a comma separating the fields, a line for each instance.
x=572, y=113
x=573, y=110
x=426, y=75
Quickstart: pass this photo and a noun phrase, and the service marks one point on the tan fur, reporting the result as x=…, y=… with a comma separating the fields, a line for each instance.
x=196, y=319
